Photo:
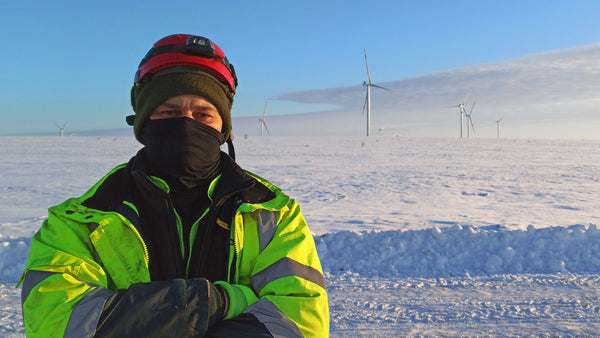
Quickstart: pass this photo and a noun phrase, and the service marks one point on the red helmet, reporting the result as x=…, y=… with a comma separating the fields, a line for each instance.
x=187, y=50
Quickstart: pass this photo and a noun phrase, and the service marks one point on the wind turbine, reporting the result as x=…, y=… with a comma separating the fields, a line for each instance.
x=263, y=123
x=368, y=98
x=462, y=112
x=498, y=128
x=470, y=121
x=61, y=128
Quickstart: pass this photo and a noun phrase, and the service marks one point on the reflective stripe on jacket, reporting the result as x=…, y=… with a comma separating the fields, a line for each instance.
x=81, y=256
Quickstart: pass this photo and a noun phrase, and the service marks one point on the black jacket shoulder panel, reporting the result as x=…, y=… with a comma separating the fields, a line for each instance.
x=111, y=192
x=115, y=189
x=247, y=188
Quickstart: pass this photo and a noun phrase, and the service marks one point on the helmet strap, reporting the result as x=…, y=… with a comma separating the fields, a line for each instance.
x=230, y=149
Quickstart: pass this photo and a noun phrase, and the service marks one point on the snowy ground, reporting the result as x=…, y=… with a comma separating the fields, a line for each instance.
x=418, y=237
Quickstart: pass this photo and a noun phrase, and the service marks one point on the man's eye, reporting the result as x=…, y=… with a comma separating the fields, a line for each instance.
x=203, y=115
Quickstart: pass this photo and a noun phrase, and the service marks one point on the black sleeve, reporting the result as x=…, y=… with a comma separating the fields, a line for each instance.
x=175, y=308
x=244, y=325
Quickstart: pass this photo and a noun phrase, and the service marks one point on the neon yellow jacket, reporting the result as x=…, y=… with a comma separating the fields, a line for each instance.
x=81, y=256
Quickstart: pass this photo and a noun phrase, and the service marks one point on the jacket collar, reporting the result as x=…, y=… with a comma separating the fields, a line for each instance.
x=232, y=180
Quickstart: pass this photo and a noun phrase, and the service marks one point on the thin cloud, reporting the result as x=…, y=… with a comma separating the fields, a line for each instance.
x=557, y=85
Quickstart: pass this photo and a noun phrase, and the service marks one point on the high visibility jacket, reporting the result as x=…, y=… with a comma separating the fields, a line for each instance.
x=82, y=255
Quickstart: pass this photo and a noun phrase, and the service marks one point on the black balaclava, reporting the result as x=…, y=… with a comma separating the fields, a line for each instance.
x=182, y=151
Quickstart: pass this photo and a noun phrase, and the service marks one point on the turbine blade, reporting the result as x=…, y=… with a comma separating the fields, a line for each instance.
x=366, y=63
x=264, y=111
x=466, y=98
x=472, y=126
x=365, y=104
x=267, y=129
x=473, y=106
x=380, y=87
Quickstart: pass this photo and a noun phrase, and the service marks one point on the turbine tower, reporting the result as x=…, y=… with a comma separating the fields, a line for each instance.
x=263, y=123
x=368, y=98
x=498, y=128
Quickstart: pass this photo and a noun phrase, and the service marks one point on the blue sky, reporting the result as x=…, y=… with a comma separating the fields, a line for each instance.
x=74, y=61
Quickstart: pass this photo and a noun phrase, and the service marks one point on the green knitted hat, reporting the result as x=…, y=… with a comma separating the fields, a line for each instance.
x=145, y=97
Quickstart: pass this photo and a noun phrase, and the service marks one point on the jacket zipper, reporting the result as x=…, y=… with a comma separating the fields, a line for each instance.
x=137, y=234
x=191, y=241
x=232, y=268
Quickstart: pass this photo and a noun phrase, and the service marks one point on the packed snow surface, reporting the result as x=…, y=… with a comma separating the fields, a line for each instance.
x=417, y=237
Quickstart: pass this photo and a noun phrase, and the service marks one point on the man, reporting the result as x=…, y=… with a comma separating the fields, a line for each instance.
x=180, y=241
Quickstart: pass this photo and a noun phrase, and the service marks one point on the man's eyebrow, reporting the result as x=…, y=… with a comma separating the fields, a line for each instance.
x=203, y=106
x=169, y=105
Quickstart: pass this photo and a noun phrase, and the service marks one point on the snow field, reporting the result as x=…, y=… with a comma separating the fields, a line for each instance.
x=417, y=237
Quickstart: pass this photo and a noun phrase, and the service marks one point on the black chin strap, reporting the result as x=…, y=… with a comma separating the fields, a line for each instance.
x=230, y=149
